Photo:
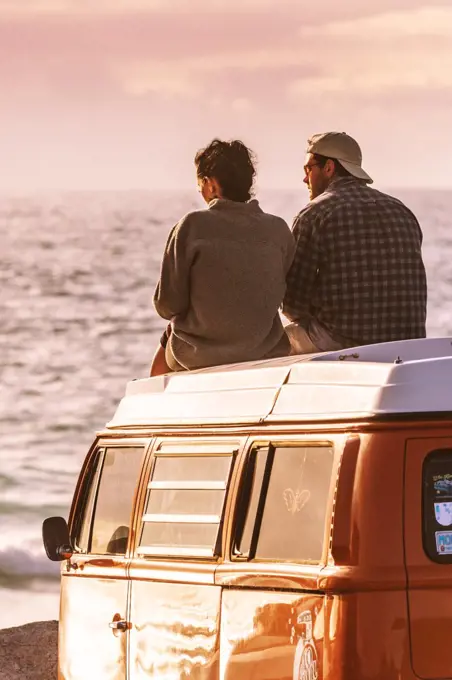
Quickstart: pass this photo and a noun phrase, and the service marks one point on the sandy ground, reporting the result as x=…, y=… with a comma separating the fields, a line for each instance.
x=29, y=652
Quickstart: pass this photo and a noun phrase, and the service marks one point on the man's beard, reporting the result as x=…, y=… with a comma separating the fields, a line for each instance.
x=319, y=189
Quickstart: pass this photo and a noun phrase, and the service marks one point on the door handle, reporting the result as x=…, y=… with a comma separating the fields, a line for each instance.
x=121, y=625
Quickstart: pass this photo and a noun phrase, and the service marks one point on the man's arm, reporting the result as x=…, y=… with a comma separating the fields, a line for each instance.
x=172, y=294
x=303, y=272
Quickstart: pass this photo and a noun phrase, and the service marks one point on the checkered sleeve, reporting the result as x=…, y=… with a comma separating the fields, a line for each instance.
x=303, y=272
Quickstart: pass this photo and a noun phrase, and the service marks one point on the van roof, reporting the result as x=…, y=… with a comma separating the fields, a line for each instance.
x=409, y=376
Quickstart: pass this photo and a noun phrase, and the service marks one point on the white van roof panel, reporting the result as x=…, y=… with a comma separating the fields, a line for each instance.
x=411, y=376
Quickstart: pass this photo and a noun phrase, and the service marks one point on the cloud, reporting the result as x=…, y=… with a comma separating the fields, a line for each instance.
x=349, y=66
x=139, y=43
x=169, y=85
x=152, y=70
x=121, y=7
x=425, y=21
x=256, y=56
x=79, y=62
x=376, y=81
x=328, y=10
x=238, y=74
x=393, y=54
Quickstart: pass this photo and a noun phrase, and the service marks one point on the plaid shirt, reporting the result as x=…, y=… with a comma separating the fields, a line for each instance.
x=358, y=267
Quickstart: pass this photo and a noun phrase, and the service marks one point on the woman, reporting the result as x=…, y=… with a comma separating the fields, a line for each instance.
x=223, y=271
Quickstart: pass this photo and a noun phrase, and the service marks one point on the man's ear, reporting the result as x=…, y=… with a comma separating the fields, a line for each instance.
x=329, y=167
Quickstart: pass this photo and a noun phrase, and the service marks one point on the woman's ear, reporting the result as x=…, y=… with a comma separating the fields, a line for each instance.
x=209, y=188
x=205, y=188
x=215, y=188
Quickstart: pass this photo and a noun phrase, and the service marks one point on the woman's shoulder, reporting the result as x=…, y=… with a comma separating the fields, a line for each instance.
x=193, y=218
x=195, y=215
x=276, y=221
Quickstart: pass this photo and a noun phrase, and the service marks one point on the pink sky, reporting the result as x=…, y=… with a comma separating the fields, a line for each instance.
x=119, y=94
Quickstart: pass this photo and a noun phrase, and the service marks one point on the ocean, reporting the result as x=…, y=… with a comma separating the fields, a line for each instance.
x=77, y=273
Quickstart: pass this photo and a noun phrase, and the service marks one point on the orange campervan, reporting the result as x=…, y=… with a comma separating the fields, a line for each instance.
x=279, y=520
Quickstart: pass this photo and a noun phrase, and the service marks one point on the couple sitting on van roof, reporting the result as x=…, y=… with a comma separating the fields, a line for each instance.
x=349, y=273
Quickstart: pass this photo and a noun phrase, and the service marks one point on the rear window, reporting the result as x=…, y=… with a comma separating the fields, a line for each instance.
x=284, y=502
x=184, y=506
x=437, y=505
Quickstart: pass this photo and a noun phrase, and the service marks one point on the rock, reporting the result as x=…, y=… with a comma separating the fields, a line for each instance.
x=29, y=652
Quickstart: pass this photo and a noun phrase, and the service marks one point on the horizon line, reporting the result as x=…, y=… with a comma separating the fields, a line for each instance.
x=11, y=193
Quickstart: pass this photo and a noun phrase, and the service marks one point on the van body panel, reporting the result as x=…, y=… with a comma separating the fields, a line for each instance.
x=343, y=537
x=368, y=637
x=202, y=573
x=430, y=583
x=268, y=635
x=268, y=575
x=87, y=646
x=376, y=527
x=175, y=630
x=282, y=635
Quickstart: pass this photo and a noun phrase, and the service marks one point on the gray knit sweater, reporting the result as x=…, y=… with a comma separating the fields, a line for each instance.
x=222, y=281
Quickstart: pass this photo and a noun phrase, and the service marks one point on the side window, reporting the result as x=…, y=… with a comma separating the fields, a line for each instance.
x=283, y=504
x=185, y=502
x=85, y=508
x=437, y=505
x=105, y=506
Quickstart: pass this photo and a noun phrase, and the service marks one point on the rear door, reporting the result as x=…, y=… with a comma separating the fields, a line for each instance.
x=428, y=545
x=272, y=615
x=175, y=604
x=93, y=632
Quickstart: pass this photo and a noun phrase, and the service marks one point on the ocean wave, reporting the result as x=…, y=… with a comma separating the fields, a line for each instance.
x=30, y=508
x=25, y=562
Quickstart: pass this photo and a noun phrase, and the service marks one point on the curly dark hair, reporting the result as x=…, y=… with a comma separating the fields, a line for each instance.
x=231, y=164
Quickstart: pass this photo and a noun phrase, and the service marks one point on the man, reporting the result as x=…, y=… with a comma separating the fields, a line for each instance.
x=358, y=276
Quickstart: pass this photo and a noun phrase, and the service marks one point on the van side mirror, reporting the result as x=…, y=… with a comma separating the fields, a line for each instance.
x=55, y=536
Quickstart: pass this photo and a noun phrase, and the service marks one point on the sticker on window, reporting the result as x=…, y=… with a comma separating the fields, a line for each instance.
x=443, y=513
x=437, y=505
x=444, y=542
x=443, y=485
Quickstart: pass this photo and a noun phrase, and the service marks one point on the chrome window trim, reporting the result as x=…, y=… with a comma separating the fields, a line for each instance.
x=201, y=449
x=181, y=519
x=163, y=551
x=188, y=486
